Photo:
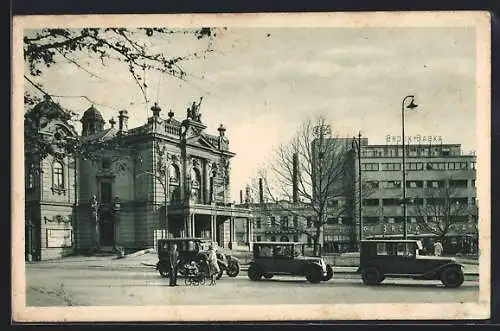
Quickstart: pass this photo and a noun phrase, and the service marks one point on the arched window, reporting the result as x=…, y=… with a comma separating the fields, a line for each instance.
x=195, y=186
x=58, y=175
x=174, y=175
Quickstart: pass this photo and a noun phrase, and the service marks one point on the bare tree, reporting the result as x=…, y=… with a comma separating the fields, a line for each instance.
x=309, y=173
x=83, y=48
x=441, y=208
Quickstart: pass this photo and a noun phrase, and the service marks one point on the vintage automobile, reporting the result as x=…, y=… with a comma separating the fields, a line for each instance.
x=403, y=259
x=287, y=258
x=194, y=249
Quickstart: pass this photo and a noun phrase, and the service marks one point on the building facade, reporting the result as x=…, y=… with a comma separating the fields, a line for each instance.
x=440, y=201
x=166, y=178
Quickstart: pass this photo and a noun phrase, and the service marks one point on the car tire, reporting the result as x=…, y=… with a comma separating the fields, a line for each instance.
x=163, y=269
x=371, y=276
x=314, y=275
x=268, y=276
x=452, y=277
x=329, y=273
x=254, y=272
x=233, y=269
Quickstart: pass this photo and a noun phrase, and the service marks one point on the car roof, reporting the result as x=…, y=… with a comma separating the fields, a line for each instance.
x=278, y=243
x=389, y=240
x=183, y=239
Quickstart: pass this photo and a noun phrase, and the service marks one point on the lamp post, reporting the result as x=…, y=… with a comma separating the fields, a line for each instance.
x=411, y=105
x=94, y=206
x=356, y=144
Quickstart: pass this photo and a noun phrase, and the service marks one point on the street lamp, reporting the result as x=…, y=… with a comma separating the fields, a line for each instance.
x=410, y=106
x=94, y=206
x=356, y=144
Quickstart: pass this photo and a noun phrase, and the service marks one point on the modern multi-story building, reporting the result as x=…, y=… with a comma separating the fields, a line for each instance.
x=166, y=178
x=440, y=191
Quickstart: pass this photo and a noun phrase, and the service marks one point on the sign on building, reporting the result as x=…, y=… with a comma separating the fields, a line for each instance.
x=58, y=238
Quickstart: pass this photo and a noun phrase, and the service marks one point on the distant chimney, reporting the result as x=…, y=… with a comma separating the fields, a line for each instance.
x=241, y=196
x=123, y=122
x=295, y=178
x=261, y=191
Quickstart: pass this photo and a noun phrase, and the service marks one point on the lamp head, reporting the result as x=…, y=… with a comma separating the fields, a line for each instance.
x=412, y=104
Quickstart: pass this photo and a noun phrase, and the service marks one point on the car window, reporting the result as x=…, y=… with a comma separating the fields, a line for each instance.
x=382, y=249
x=264, y=251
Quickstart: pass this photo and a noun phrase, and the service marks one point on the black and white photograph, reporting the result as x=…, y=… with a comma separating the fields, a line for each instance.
x=214, y=167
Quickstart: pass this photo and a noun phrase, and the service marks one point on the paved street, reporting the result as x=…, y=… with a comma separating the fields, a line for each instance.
x=82, y=285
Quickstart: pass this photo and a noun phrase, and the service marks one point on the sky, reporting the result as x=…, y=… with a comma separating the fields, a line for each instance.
x=262, y=83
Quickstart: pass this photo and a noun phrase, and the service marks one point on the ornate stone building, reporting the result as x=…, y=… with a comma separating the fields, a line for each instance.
x=166, y=178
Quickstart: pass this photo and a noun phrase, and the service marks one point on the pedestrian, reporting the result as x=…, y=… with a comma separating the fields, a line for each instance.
x=173, y=256
x=438, y=248
x=213, y=264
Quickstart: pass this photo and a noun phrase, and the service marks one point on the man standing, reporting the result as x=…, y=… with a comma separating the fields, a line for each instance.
x=438, y=249
x=173, y=256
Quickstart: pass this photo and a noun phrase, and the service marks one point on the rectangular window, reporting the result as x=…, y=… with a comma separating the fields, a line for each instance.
x=106, y=192
x=458, y=183
x=391, y=166
x=415, y=166
x=391, y=184
x=416, y=201
x=347, y=220
x=284, y=222
x=369, y=167
x=435, y=184
x=331, y=220
x=391, y=202
x=295, y=222
x=258, y=222
x=370, y=220
x=457, y=165
x=415, y=183
x=273, y=221
x=436, y=166
x=372, y=184
x=473, y=165
x=295, y=238
x=473, y=183
x=371, y=202
x=459, y=201
x=309, y=221
x=259, y=238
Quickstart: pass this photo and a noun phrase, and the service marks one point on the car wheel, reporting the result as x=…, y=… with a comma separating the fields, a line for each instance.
x=233, y=269
x=314, y=275
x=268, y=276
x=163, y=269
x=372, y=276
x=452, y=277
x=329, y=273
x=254, y=272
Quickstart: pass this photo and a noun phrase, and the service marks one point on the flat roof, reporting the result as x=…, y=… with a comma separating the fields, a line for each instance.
x=279, y=242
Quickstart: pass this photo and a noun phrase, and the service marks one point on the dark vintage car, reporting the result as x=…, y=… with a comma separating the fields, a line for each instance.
x=380, y=259
x=287, y=258
x=194, y=250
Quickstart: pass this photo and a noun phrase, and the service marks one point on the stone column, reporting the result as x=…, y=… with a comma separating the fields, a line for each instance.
x=249, y=233
x=213, y=227
x=193, y=228
x=232, y=241
x=187, y=225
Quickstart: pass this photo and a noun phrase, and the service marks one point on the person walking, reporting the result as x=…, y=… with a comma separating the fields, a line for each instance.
x=173, y=256
x=438, y=248
x=213, y=264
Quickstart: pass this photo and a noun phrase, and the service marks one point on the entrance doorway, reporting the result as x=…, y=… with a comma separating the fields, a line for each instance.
x=107, y=231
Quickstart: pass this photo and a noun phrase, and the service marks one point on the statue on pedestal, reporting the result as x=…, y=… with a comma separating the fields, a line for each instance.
x=194, y=111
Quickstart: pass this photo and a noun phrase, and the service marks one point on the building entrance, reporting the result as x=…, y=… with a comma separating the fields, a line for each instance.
x=107, y=231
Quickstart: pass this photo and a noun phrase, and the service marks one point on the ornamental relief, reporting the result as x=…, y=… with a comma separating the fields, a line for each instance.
x=57, y=219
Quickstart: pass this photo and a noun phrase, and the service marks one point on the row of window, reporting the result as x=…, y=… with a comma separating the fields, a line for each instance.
x=418, y=201
x=459, y=183
x=57, y=176
x=282, y=238
x=416, y=166
x=412, y=151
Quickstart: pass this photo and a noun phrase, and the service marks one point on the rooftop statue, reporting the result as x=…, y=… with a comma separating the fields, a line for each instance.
x=194, y=111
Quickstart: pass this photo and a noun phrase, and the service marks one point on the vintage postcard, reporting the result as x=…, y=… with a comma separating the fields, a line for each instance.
x=246, y=167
